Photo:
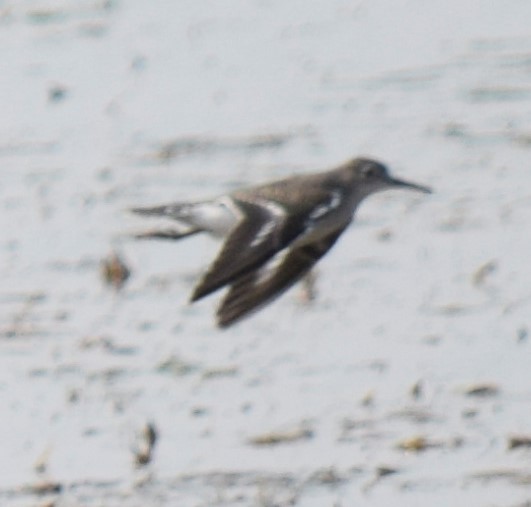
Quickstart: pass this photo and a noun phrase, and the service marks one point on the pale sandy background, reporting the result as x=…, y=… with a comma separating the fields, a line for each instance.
x=419, y=333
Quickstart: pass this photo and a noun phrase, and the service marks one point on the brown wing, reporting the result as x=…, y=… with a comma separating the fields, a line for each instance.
x=258, y=288
x=262, y=232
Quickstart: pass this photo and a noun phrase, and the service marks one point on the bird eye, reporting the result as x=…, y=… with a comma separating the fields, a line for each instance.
x=369, y=171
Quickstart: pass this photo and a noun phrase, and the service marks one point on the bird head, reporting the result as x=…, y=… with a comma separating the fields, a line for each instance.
x=372, y=176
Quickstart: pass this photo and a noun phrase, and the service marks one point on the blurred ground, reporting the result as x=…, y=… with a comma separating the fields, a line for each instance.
x=405, y=382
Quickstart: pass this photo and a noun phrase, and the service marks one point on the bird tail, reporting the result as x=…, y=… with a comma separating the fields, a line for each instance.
x=171, y=234
x=177, y=212
x=168, y=210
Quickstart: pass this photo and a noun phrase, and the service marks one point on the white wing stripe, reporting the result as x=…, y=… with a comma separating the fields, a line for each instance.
x=335, y=202
x=278, y=215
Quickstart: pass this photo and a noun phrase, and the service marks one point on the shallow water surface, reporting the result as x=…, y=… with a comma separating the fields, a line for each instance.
x=404, y=382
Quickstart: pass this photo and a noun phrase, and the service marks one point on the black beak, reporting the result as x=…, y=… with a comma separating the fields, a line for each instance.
x=406, y=184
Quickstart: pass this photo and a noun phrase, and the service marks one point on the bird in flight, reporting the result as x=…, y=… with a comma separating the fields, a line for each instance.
x=273, y=233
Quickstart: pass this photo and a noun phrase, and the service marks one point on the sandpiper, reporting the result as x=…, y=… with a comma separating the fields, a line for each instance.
x=273, y=233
